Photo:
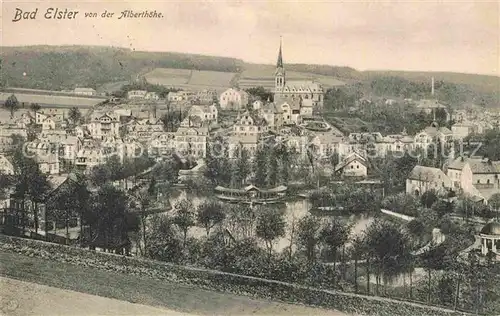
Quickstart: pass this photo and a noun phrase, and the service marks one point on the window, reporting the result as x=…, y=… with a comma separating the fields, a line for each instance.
x=488, y=181
x=352, y=167
x=478, y=181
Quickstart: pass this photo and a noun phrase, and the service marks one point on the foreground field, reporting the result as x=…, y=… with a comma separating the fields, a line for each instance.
x=24, y=298
x=174, y=297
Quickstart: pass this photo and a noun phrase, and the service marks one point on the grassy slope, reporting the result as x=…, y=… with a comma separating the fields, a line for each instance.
x=141, y=290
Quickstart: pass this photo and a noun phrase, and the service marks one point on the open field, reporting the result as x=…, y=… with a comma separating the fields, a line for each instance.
x=194, y=79
x=161, y=294
x=52, y=100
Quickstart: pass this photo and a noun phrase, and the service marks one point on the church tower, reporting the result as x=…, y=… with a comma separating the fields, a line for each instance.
x=279, y=75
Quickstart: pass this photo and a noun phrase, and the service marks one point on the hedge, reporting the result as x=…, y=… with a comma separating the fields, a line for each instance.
x=221, y=281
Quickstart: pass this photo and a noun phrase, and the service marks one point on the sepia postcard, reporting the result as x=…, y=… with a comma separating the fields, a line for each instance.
x=198, y=158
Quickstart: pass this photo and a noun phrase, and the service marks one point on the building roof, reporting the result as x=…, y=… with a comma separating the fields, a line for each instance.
x=244, y=139
x=492, y=228
x=84, y=90
x=435, y=130
x=427, y=174
x=352, y=157
x=477, y=165
x=430, y=104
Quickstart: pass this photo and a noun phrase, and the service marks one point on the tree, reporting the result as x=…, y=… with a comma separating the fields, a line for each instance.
x=494, y=202
x=35, y=107
x=335, y=234
x=209, y=214
x=11, y=104
x=184, y=218
x=308, y=236
x=260, y=166
x=428, y=198
x=163, y=242
x=75, y=115
x=390, y=249
x=113, y=220
x=358, y=248
x=270, y=226
x=243, y=167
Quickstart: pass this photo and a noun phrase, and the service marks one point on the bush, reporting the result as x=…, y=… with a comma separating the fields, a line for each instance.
x=224, y=282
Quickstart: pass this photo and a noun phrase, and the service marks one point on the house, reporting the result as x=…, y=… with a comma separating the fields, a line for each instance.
x=248, y=142
x=24, y=120
x=475, y=176
x=103, y=125
x=6, y=167
x=142, y=129
x=233, y=99
x=462, y=130
x=50, y=123
x=432, y=134
x=257, y=105
x=422, y=179
x=248, y=124
x=191, y=141
x=153, y=96
x=431, y=106
x=273, y=115
x=136, y=94
x=324, y=145
x=87, y=158
x=84, y=91
x=204, y=112
x=206, y=96
x=192, y=121
x=161, y=144
x=59, y=114
x=352, y=166
x=179, y=96
x=48, y=162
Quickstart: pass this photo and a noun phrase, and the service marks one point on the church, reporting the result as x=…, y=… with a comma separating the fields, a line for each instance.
x=308, y=93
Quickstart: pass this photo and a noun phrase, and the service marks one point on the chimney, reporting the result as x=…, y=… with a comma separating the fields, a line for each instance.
x=432, y=89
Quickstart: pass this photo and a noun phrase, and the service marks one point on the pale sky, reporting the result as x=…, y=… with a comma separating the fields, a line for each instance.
x=454, y=36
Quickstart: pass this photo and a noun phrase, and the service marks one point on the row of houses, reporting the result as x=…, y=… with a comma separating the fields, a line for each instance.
x=476, y=177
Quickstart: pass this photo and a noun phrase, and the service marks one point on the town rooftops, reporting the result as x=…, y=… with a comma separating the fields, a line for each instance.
x=477, y=165
x=427, y=174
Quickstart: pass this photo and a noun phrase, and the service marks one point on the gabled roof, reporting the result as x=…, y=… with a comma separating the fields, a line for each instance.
x=352, y=157
x=477, y=165
x=427, y=174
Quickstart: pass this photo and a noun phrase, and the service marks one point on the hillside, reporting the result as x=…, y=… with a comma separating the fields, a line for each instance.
x=64, y=67
x=107, y=68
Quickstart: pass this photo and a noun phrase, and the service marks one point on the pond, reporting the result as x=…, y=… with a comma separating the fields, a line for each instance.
x=294, y=211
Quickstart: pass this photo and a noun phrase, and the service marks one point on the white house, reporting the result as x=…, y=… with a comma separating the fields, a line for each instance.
x=422, y=179
x=248, y=124
x=191, y=141
x=153, y=96
x=104, y=125
x=233, y=99
x=136, y=94
x=85, y=91
x=354, y=165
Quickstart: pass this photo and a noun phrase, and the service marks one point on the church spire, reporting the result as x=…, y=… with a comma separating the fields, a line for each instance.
x=279, y=64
